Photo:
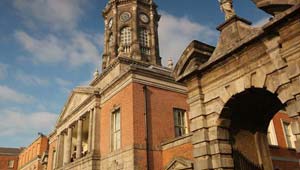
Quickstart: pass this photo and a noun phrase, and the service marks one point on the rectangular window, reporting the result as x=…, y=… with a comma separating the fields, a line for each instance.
x=11, y=163
x=116, y=130
x=289, y=137
x=272, y=138
x=180, y=122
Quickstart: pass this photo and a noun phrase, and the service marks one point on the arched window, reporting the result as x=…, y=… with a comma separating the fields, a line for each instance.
x=145, y=41
x=126, y=39
x=126, y=36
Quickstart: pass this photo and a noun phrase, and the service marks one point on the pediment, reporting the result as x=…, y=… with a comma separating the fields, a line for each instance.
x=76, y=98
x=180, y=164
x=196, y=54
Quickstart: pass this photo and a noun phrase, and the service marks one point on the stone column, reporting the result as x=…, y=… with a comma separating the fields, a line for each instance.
x=93, y=130
x=96, y=131
x=79, y=139
x=59, y=150
x=90, y=133
x=68, y=145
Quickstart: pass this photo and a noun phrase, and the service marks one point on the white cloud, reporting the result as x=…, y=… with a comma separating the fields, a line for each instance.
x=261, y=22
x=47, y=50
x=3, y=71
x=76, y=50
x=18, y=123
x=175, y=33
x=58, y=14
x=31, y=79
x=9, y=95
x=62, y=82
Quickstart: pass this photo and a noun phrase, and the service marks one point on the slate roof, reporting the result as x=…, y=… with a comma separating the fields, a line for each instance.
x=10, y=151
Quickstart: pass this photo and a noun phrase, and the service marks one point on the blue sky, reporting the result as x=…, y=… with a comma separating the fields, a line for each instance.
x=48, y=47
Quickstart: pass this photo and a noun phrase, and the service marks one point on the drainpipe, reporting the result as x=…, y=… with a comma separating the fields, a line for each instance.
x=146, y=126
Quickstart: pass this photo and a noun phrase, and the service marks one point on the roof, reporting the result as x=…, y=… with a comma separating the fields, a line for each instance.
x=10, y=151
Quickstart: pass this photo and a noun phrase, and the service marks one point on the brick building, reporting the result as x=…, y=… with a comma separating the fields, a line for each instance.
x=31, y=157
x=224, y=108
x=116, y=122
x=9, y=158
x=135, y=116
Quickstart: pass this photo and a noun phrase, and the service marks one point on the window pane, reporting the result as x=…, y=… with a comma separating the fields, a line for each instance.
x=272, y=138
x=11, y=163
x=116, y=131
x=126, y=36
x=287, y=134
x=180, y=122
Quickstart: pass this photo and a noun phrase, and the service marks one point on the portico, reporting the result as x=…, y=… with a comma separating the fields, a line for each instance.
x=76, y=129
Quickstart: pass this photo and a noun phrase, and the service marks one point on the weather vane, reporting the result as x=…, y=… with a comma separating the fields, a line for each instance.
x=227, y=7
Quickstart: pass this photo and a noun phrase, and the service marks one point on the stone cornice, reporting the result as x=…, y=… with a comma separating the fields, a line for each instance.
x=118, y=60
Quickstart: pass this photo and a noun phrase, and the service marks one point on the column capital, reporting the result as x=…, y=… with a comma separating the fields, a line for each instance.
x=97, y=106
x=72, y=126
x=82, y=118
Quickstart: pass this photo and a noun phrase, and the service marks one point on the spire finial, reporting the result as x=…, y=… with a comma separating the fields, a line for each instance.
x=96, y=73
x=227, y=7
x=170, y=63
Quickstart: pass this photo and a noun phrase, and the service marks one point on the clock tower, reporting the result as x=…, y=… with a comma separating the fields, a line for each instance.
x=131, y=31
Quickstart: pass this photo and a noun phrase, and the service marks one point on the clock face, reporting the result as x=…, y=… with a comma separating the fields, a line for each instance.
x=144, y=18
x=125, y=16
x=110, y=23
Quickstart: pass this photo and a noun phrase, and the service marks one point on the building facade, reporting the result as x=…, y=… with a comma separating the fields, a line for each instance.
x=9, y=158
x=121, y=118
x=31, y=157
x=233, y=106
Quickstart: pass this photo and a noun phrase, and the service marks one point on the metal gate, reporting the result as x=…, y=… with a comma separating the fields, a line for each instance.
x=242, y=163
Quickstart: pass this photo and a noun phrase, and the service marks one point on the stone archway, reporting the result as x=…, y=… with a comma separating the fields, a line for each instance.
x=249, y=114
x=264, y=62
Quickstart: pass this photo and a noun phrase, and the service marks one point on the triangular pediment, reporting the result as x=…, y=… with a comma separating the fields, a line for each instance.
x=77, y=97
x=180, y=164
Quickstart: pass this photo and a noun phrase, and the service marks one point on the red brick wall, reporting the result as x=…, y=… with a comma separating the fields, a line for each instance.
x=124, y=100
x=131, y=102
x=183, y=151
x=283, y=165
x=37, y=148
x=161, y=122
x=4, y=162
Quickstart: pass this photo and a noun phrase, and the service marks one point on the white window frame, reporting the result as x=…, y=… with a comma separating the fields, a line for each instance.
x=182, y=125
x=11, y=163
x=272, y=137
x=292, y=137
x=116, y=130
